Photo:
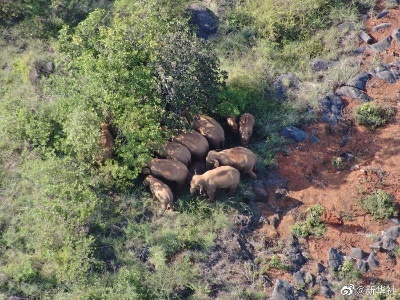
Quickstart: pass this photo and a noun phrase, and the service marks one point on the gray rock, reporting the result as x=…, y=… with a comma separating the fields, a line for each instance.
x=381, y=26
x=320, y=268
x=259, y=190
x=388, y=243
x=309, y=279
x=395, y=221
x=331, y=107
x=335, y=259
x=389, y=73
x=282, y=291
x=353, y=93
x=359, y=50
x=204, y=19
x=357, y=253
x=326, y=291
x=298, y=278
x=359, y=81
x=382, y=45
x=300, y=295
x=294, y=133
x=393, y=232
x=285, y=82
x=366, y=37
x=314, y=139
x=396, y=35
x=372, y=261
x=362, y=266
x=376, y=246
x=382, y=14
x=318, y=64
x=322, y=281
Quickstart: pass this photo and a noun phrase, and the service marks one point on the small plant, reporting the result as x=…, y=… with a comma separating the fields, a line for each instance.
x=379, y=204
x=339, y=163
x=276, y=263
x=312, y=225
x=373, y=115
x=348, y=272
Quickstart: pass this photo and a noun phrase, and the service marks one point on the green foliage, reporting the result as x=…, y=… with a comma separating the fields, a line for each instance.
x=373, y=115
x=348, y=272
x=276, y=263
x=380, y=205
x=312, y=225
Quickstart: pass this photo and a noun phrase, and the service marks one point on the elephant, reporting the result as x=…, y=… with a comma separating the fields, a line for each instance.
x=219, y=178
x=197, y=167
x=160, y=191
x=211, y=130
x=106, y=142
x=176, y=151
x=240, y=158
x=233, y=124
x=195, y=142
x=168, y=169
x=246, y=125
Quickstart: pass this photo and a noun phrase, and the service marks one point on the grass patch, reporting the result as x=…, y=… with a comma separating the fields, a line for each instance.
x=379, y=204
x=373, y=115
x=312, y=225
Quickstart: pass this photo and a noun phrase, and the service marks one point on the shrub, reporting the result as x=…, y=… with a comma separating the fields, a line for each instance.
x=373, y=115
x=276, y=263
x=348, y=272
x=312, y=225
x=379, y=204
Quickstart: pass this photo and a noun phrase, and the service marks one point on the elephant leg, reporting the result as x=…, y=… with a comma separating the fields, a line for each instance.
x=252, y=174
x=232, y=191
x=210, y=193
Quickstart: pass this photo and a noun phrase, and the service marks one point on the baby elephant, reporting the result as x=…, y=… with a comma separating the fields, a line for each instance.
x=219, y=178
x=246, y=125
x=240, y=158
x=160, y=191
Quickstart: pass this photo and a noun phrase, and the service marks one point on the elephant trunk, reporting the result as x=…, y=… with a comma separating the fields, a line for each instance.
x=192, y=191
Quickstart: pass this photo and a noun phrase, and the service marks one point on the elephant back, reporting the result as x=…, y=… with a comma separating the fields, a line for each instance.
x=168, y=169
x=211, y=130
x=195, y=142
x=176, y=151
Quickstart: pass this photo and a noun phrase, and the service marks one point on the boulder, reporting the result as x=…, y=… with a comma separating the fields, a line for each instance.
x=396, y=35
x=294, y=133
x=331, y=107
x=362, y=266
x=382, y=45
x=382, y=14
x=298, y=278
x=366, y=37
x=388, y=243
x=372, y=261
x=393, y=232
x=335, y=259
x=204, y=19
x=282, y=291
x=381, y=26
x=389, y=73
x=359, y=81
x=285, y=82
x=318, y=64
x=326, y=291
x=320, y=268
x=353, y=93
x=357, y=253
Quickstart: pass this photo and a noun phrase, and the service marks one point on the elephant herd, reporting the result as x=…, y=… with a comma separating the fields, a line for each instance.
x=197, y=156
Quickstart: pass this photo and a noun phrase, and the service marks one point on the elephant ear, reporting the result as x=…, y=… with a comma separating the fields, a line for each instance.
x=216, y=163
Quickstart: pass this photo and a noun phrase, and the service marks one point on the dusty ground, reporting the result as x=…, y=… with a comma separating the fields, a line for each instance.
x=312, y=178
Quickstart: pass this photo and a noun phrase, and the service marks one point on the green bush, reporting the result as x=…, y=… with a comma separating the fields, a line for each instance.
x=379, y=204
x=348, y=272
x=312, y=225
x=373, y=115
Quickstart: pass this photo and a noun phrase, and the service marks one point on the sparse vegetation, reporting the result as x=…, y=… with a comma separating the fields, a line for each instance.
x=373, y=115
x=348, y=272
x=379, y=204
x=312, y=225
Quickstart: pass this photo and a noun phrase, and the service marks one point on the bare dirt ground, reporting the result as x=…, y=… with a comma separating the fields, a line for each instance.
x=313, y=179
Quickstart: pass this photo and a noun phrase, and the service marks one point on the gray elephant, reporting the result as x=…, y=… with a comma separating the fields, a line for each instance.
x=240, y=158
x=161, y=192
x=168, y=169
x=195, y=142
x=176, y=151
x=246, y=126
x=224, y=177
x=211, y=130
